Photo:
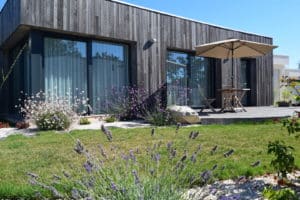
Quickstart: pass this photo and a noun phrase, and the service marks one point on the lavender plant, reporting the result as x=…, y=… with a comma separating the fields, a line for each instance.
x=52, y=112
x=134, y=102
x=111, y=173
x=126, y=103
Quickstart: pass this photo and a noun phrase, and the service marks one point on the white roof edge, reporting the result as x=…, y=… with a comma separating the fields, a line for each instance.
x=281, y=56
x=185, y=18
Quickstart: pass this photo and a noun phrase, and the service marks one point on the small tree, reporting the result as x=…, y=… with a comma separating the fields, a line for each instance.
x=284, y=160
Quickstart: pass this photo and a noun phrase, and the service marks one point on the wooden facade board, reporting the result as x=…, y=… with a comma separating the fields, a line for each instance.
x=105, y=19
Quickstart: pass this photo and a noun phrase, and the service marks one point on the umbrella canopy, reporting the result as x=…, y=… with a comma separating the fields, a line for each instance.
x=233, y=48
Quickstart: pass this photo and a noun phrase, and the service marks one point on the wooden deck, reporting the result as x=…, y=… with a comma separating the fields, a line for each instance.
x=254, y=114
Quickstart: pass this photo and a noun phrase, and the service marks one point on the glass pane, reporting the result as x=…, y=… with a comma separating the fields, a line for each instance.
x=199, y=82
x=65, y=68
x=109, y=72
x=177, y=78
x=244, y=79
x=19, y=77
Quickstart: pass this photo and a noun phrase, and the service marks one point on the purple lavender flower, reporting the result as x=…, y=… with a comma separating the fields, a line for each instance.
x=255, y=164
x=173, y=153
x=169, y=145
x=124, y=157
x=66, y=174
x=102, y=151
x=183, y=158
x=157, y=157
x=152, y=172
x=88, y=166
x=152, y=132
x=106, y=132
x=228, y=153
x=132, y=156
x=114, y=186
x=206, y=175
x=214, y=149
x=195, y=135
x=75, y=194
x=191, y=134
x=136, y=177
x=56, y=177
x=193, y=157
x=177, y=127
x=32, y=175
x=198, y=148
x=214, y=167
x=79, y=147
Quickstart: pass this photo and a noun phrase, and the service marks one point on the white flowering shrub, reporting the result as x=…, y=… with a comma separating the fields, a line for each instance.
x=51, y=112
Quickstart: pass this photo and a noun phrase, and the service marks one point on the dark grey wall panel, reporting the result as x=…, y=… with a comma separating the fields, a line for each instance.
x=4, y=95
x=9, y=19
x=105, y=19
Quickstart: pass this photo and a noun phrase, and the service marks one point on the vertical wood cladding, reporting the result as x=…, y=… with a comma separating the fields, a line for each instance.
x=105, y=19
x=9, y=19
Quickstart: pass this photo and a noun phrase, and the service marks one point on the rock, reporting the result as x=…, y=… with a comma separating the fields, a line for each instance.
x=184, y=114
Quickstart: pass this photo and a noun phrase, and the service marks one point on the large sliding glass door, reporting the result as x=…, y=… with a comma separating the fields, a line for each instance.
x=200, y=82
x=177, y=64
x=67, y=74
x=109, y=72
x=244, y=79
x=65, y=63
x=189, y=79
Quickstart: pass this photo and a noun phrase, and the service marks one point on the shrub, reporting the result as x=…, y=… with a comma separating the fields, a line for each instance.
x=4, y=125
x=126, y=103
x=292, y=125
x=22, y=125
x=114, y=174
x=282, y=194
x=56, y=120
x=84, y=121
x=50, y=112
x=110, y=119
x=284, y=161
x=160, y=117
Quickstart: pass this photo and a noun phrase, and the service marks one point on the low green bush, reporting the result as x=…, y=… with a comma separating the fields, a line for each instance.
x=53, y=121
x=84, y=121
x=110, y=119
x=282, y=194
x=161, y=117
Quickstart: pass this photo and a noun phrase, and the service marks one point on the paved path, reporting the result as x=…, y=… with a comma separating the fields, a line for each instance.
x=254, y=113
x=95, y=125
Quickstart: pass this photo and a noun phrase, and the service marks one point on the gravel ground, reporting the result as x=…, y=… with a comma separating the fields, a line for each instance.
x=242, y=189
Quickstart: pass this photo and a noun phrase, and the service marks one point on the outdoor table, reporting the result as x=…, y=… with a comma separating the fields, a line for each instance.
x=232, y=98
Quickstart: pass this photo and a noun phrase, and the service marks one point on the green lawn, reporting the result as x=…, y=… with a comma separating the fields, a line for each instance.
x=49, y=153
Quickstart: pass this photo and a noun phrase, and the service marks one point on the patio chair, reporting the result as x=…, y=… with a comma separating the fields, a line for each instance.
x=206, y=101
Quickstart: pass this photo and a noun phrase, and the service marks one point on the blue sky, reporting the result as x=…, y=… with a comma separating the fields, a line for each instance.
x=275, y=18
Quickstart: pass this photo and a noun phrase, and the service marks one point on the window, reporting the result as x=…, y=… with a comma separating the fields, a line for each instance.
x=67, y=73
x=189, y=79
x=109, y=71
x=65, y=63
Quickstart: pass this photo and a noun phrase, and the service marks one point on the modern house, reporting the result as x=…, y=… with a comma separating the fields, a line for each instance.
x=94, y=45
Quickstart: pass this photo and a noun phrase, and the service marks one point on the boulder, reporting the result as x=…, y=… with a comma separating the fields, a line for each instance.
x=184, y=114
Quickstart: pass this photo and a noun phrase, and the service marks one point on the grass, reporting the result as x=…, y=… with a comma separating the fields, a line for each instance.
x=50, y=153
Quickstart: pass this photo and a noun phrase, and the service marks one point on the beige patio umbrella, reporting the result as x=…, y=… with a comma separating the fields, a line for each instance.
x=233, y=48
